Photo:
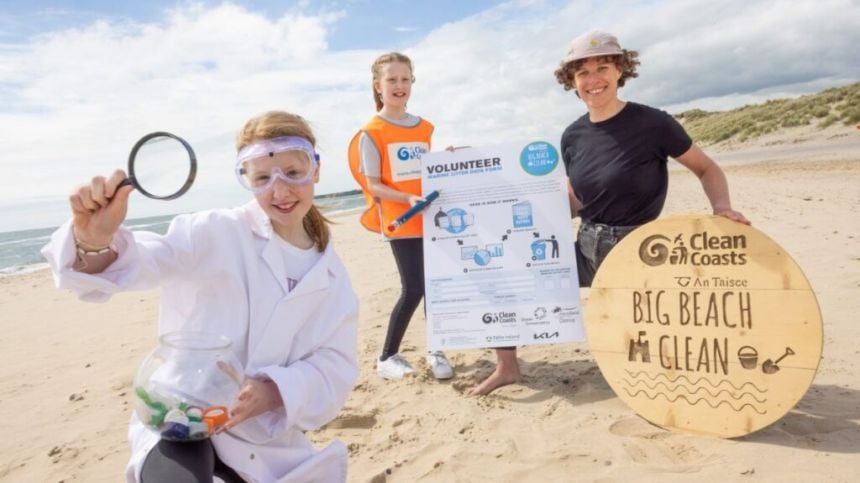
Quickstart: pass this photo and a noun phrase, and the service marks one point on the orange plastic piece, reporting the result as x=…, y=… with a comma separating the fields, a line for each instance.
x=215, y=416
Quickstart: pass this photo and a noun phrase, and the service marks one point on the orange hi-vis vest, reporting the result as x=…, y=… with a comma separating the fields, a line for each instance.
x=400, y=149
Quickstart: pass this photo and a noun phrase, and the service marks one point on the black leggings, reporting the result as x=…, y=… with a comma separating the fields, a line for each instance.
x=409, y=255
x=187, y=462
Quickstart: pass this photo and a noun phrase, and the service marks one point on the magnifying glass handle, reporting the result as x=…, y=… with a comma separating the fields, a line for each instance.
x=125, y=182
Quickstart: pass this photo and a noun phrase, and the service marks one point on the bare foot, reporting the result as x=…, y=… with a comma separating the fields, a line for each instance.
x=496, y=380
x=507, y=372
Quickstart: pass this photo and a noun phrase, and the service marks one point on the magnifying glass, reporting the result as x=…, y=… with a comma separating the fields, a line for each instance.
x=164, y=163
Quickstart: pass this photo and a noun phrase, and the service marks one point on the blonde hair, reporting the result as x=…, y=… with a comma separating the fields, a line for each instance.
x=275, y=124
x=376, y=70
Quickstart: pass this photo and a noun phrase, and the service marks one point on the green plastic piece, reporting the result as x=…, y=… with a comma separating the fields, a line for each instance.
x=159, y=411
x=143, y=395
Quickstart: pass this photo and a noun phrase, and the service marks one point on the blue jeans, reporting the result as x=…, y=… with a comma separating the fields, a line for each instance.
x=593, y=242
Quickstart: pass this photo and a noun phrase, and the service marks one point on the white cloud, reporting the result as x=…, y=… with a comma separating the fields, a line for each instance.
x=74, y=101
x=738, y=47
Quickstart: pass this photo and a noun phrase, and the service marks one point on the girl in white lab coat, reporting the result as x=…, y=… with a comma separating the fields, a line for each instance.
x=264, y=275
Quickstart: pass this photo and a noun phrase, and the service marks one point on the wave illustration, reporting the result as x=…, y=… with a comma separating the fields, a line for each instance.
x=700, y=388
x=693, y=383
x=693, y=403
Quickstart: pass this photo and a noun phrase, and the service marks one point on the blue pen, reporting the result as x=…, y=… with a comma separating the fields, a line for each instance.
x=414, y=210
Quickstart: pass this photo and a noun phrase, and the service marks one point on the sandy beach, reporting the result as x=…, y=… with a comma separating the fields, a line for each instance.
x=67, y=366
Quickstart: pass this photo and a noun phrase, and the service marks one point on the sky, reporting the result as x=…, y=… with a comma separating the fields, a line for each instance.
x=81, y=81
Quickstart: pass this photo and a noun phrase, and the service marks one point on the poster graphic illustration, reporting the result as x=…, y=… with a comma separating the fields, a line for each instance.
x=498, y=248
x=705, y=325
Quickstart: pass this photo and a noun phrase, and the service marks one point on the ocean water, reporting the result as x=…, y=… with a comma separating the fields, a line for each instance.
x=19, y=250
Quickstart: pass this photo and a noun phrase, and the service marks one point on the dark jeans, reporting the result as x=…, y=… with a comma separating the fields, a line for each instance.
x=185, y=462
x=593, y=242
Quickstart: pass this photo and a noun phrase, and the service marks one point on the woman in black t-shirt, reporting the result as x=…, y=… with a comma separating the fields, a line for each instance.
x=616, y=159
x=616, y=155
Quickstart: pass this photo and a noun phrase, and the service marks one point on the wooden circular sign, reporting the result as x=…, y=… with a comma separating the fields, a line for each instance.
x=705, y=325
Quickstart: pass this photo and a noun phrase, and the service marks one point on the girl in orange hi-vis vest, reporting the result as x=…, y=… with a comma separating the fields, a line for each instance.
x=385, y=159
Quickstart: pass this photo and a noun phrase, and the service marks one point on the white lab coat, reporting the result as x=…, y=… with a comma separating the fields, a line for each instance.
x=221, y=272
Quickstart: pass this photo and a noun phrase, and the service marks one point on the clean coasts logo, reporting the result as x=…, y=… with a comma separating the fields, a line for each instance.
x=499, y=318
x=407, y=153
x=696, y=249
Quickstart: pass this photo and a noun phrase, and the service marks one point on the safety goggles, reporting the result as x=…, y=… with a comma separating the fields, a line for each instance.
x=257, y=168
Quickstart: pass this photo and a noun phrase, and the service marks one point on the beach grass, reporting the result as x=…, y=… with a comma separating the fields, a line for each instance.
x=821, y=110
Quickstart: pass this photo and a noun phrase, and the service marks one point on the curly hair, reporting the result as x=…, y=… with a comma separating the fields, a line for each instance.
x=626, y=63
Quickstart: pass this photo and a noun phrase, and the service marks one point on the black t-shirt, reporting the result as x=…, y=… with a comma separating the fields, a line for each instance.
x=618, y=166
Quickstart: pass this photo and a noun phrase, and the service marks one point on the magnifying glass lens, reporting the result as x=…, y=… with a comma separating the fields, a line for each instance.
x=161, y=166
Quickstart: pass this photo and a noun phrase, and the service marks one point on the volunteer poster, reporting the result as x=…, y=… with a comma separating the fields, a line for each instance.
x=499, y=265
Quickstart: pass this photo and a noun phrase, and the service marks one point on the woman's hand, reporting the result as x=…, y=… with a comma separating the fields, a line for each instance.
x=99, y=208
x=732, y=215
x=256, y=397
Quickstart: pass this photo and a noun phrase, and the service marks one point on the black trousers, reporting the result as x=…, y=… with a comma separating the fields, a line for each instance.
x=409, y=256
x=185, y=462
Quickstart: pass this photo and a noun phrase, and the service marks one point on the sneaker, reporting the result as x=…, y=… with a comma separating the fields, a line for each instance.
x=439, y=365
x=395, y=367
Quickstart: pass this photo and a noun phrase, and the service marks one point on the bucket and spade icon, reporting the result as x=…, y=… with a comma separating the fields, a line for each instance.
x=748, y=357
x=771, y=367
